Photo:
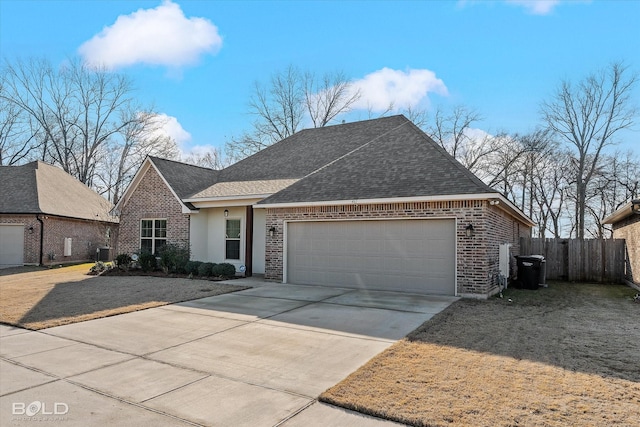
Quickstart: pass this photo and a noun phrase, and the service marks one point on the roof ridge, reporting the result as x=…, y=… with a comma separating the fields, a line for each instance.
x=182, y=163
x=455, y=162
x=360, y=147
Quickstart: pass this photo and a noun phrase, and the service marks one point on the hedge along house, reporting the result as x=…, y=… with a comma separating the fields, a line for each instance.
x=49, y=217
x=375, y=204
x=626, y=225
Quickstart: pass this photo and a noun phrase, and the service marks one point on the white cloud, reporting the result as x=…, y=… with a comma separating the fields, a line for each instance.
x=201, y=150
x=170, y=127
x=476, y=134
x=536, y=7
x=400, y=89
x=160, y=36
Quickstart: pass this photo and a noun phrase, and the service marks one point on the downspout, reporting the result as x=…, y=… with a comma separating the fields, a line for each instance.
x=41, y=237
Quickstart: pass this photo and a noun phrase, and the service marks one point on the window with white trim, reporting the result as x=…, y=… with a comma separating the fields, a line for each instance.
x=153, y=235
x=232, y=239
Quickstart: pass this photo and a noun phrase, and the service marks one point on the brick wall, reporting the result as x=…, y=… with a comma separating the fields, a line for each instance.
x=477, y=256
x=501, y=228
x=151, y=199
x=86, y=237
x=629, y=229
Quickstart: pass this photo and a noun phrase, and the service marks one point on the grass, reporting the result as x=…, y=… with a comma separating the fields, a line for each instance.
x=564, y=355
x=43, y=298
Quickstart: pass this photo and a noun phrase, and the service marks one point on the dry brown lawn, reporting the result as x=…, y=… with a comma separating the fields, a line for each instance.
x=45, y=298
x=565, y=355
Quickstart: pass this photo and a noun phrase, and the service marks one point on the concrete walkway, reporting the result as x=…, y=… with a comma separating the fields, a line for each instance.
x=259, y=357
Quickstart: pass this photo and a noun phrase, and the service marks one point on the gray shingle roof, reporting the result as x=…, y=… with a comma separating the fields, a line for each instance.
x=243, y=188
x=308, y=150
x=398, y=162
x=185, y=179
x=380, y=158
x=41, y=188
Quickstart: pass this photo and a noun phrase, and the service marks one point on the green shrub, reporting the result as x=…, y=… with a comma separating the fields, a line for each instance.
x=192, y=267
x=123, y=261
x=205, y=269
x=147, y=261
x=174, y=258
x=224, y=270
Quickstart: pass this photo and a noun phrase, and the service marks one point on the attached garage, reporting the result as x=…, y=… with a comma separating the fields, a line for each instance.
x=404, y=255
x=11, y=245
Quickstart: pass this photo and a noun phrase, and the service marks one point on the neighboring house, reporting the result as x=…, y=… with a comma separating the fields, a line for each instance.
x=375, y=204
x=626, y=225
x=49, y=217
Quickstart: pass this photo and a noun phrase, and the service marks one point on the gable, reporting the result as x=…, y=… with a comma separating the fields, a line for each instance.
x=180, y=179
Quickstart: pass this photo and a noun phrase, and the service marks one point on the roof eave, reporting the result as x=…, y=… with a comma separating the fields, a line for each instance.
x=227, y=198
x=622, y=212
x=503, y=204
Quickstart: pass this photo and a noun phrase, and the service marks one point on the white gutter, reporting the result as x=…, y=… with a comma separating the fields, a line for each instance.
x=621, y=213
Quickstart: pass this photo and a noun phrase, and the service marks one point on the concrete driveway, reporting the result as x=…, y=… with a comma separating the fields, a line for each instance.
x=259, y=357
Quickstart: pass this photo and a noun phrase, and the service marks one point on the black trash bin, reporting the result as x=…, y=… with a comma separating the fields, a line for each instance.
x=531, y=271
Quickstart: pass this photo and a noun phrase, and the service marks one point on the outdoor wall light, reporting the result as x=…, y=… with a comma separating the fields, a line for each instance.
x=635, y=206
x=31, y=230
x=469, y=230
x=226, y=213
x=272, y=230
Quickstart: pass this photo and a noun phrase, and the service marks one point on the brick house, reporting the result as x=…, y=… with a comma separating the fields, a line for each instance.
x=49, y=217
x=626, y=225
x=375, y=204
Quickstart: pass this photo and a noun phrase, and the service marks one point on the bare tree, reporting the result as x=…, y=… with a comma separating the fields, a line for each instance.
x=280, y=109
x=212, y=159
x=327, y=98
x=550, y=191
x=18, y=140
x=417, y=115
x=614, y=183
x=83, y=119
x=587, y=116
x=121, y=157
x=454, y=132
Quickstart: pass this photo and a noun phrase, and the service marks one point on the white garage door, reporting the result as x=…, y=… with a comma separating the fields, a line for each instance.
x=415, y=256
x=11, y=245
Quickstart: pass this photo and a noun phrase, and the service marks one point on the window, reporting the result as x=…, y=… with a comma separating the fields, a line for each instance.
x=153, y=235
x=232, y=239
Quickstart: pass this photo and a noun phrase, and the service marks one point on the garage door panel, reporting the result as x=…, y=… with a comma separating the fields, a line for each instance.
x=11, y=245
x=403, y=255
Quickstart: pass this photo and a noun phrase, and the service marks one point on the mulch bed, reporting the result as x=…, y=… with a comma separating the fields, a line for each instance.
x=158, y=273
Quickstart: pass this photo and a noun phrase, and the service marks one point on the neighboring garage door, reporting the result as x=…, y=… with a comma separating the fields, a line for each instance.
x=11, y=245
x=415, y=256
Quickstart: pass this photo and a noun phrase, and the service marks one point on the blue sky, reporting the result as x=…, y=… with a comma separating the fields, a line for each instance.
x=197, y=61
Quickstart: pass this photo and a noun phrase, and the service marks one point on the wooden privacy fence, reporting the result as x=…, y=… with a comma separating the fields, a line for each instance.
x=589, y=260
